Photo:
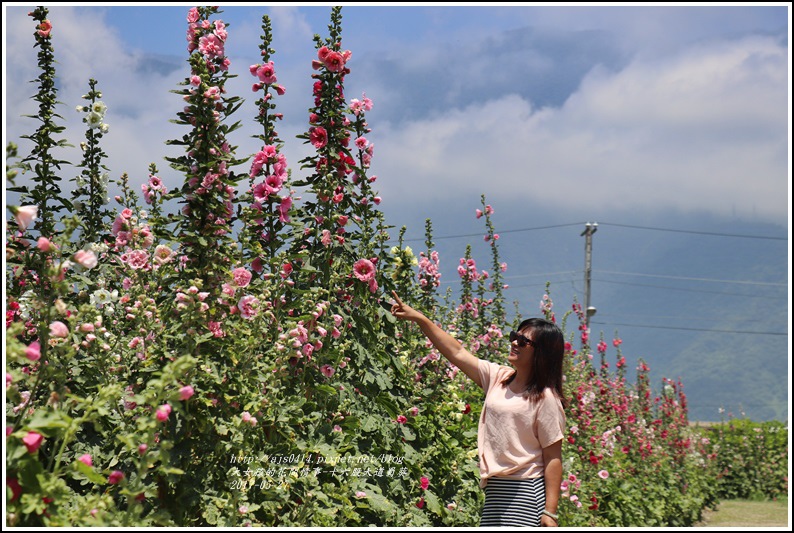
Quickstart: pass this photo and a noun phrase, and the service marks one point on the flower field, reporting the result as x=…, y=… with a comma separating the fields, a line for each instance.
x=218, y=352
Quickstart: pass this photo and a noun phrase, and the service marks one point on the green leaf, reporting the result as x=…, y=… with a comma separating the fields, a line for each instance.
x=89, y=473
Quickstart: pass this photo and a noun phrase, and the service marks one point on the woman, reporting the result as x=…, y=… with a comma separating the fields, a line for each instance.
x=522, y=422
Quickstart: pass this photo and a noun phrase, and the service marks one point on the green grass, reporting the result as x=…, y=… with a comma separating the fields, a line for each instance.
x=748, y=513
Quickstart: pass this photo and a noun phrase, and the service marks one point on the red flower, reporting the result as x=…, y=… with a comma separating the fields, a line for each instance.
x=424, y=482
x=420, y=503
x=115, y=477
x=318, y=137
x=16, y=488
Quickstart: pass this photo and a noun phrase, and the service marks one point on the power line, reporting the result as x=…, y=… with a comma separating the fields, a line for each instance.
x=715, y=234
x=745, y=282
x=480, y=234
x=673, y=230
x=692, y=329
x=686, y=290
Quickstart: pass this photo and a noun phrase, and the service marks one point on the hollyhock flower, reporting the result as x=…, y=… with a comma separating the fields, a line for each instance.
x=85, y=258
x=337, y=428
x=193, y=15
x=266, y=73
x=401, y=419
x=115, y=477
x=58, y=329
x=327, y=370
x=283, y=209
x=318, y=137
x=45, y=28
x=603, y=474
x=424, y=482
x=86, y=459
x=478, y=213
x=242, y=509
x=137, y=259
x=364, y=270
x=186, y=392
x=162, y=412
x=421, y=502
x=33, y=441
x=44, y=244
x=16, y=488
x=33, y=352
x=24, y=215
x=241, y=277
x=248, y=306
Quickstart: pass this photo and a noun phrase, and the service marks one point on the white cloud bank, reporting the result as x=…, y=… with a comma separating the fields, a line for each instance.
x=704, y=130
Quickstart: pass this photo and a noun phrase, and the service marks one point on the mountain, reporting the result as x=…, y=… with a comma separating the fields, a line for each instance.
x=687, y=293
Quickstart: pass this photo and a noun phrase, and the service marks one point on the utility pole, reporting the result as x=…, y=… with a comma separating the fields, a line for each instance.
x=589, y=229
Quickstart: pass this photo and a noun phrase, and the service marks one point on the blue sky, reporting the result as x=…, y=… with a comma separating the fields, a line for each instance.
x=590, y=106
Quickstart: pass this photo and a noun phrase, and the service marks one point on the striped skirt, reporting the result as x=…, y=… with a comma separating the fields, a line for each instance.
x=513, y=502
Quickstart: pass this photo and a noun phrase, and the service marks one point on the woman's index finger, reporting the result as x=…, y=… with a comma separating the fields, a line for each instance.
x=400, y=302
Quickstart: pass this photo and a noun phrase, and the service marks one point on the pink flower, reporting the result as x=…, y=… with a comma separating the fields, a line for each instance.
x=248, y=306
x=142, y=448
x=478, y=213
x=361, y=494
x=242, y=509
x=414, y=411
x=603, y=474
x=137, y=259
x=86, y=459
x=318, y=137
x=424, y=482
x=327, y=370
x=193, y=15
x=45, y=28
x=115, y=477
x=337, y=428
x=33, y=352
x=33, y=441
x=241, y=277
x=186, y=392
x=58, y=329
x=364, y=270
x=162, y=412
x=85, y=258
x=24, y=215
x=283, y=209
x=266, y=73
x=401, y=419
x=44, y=244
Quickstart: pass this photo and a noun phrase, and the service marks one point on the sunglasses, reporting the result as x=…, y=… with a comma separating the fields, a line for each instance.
x=522, y=340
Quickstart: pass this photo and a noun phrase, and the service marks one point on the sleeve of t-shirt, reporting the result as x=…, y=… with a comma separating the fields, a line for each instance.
x=550, y=421
x=488, y=374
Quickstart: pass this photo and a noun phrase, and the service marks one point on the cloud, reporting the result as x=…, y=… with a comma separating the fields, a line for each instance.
x=701, y=131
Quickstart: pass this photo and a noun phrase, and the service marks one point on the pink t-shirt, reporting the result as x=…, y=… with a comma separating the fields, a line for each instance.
x=513, y=431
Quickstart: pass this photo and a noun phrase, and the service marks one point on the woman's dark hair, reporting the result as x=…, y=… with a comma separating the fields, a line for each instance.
x=547, y=361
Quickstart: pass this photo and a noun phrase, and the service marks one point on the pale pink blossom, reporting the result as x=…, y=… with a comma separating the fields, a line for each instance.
x=603, y=474
x=242, y=277
x=44, y=28
x=361, y=494
x=24, y=215
x=137, y=259
x=186, y=392
x=327, y=370
x=248, y=306
x=33, y=352
x=44, y=244
x=85, y=258
x=59, y=330
x=86, y=459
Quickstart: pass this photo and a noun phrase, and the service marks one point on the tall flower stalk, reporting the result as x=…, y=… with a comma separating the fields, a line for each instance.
x=91, y=193
x=208, y=193
x=46, y=194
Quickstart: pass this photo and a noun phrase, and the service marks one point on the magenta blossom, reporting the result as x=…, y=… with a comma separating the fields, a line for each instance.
x=86, y=459
x=186, y=392
x=115, y=477
x=318, y=137
x=33, y=441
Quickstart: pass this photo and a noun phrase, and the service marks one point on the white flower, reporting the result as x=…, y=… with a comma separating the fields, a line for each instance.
x=94, y=120
x=102, y=297
x=99, y=107
x=104, y=128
